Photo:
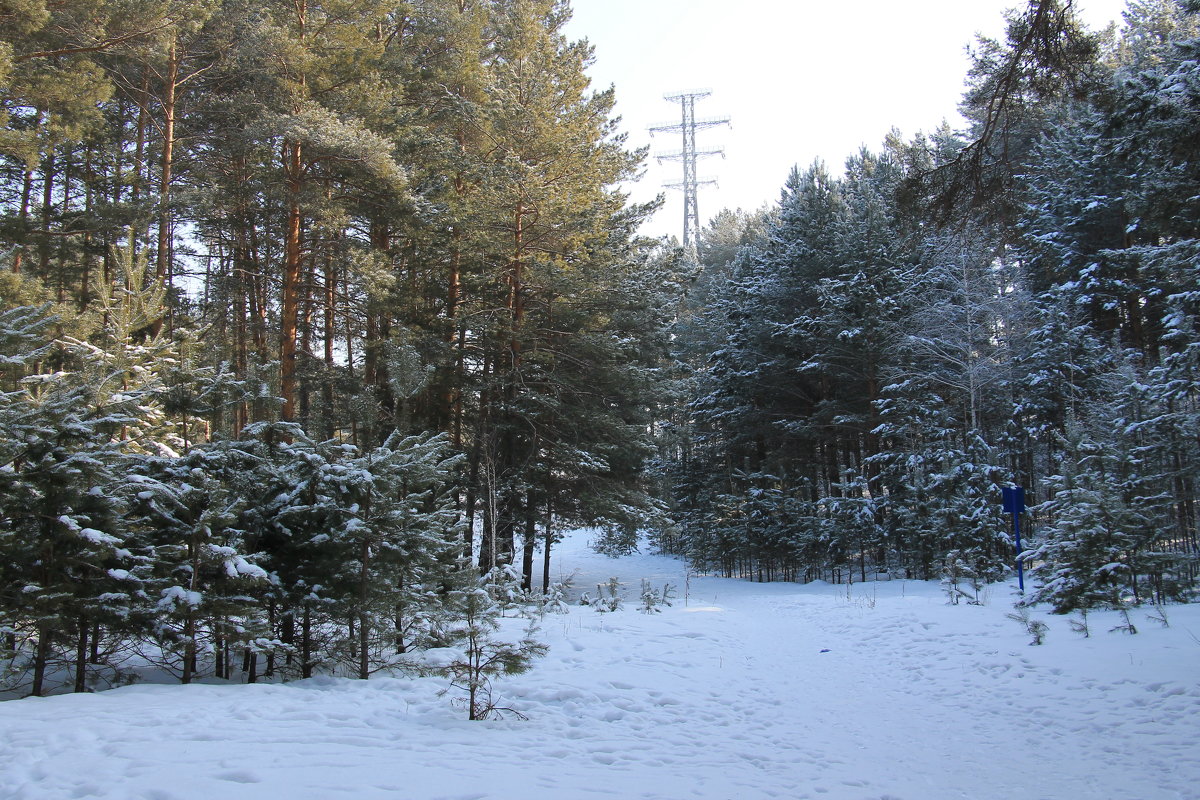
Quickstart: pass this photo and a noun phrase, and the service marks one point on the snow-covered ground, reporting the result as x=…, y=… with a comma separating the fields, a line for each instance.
x=743, y=691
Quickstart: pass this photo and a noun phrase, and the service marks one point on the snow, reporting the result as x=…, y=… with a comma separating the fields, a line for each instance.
x=879, y=690
x=177, y=595
x=97, y=537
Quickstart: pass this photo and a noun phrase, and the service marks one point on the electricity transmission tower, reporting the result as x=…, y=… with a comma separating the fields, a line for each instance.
x=689, y=155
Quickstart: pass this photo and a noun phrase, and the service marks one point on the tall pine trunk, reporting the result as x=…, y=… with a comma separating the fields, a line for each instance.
x=289, y=305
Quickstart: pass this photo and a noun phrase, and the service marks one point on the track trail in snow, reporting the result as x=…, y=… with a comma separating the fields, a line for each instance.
x=740, y=690
x=883, y=690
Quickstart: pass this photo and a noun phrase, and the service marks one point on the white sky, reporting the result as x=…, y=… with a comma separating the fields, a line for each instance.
x=800, y=79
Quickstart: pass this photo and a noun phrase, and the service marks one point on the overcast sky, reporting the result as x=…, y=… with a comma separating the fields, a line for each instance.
x=800, y=80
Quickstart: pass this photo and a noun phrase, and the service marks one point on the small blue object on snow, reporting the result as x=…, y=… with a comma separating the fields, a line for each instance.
x=826, y=650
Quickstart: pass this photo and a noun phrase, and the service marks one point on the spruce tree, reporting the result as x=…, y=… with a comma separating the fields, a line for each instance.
x=61, y=528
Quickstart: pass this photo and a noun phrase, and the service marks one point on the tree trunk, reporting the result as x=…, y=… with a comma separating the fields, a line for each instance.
x=547, y=540
x=289, y=306
x=306, y=642
x=364, y=630
x=143, y=124
x=189, y=625
x=89, y=180
x=40, y=658
x=330, y=333
x=48, y=175
x=161, y=260
x=81, y=652
x=271, y=618
x=26, y=194
x=219, y=648
x=529, y=543
x=95, y=643
x=509, y=460
x=287, y=632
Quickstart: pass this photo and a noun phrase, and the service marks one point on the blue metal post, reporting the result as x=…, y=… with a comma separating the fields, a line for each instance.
x=1020, y=563
x=1014, y=503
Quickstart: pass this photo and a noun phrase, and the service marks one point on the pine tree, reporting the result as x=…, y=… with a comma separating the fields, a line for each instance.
x=195, y=567
x=1086, y=550
x=480, y=656
x=61, y=528
x=1110, y=513
x=402, y=535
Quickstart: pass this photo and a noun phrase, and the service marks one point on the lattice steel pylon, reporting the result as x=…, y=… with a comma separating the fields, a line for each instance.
x=689, y=155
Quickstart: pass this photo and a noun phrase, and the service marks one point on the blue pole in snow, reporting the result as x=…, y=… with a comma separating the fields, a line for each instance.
x=1014, y=503
x=1020, y=564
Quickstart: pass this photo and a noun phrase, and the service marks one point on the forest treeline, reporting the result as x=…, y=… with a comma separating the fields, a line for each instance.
x=314, y=313
x=872, y=359
x=291, y=291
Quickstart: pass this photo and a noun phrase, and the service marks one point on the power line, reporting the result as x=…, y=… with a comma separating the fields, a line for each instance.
x=689, y=155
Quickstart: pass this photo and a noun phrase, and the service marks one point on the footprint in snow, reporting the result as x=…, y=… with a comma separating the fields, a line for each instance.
x=239, y=776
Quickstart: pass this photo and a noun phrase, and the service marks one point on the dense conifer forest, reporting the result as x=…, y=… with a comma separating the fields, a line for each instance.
x=291, y=291
x=870, y=360
x=320, y=321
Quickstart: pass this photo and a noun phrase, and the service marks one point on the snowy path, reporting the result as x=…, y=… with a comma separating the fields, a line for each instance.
x=728, y=696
